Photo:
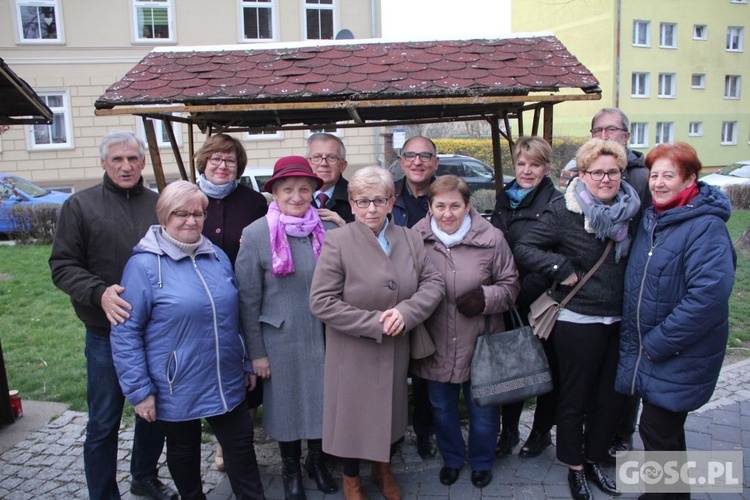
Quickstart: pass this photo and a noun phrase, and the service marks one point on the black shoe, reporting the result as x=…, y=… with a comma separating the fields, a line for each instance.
x=426, y=446
x=448, y=475
x=600, y=478
x=618, y=445
x=505, y=443
x=153, y=488
x=579, y=487
x=535, y=444
x=481, y=478
x=316, y=469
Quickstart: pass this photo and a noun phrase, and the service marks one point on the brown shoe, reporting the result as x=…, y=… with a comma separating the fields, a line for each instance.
x=383, y=478
x=353, y=488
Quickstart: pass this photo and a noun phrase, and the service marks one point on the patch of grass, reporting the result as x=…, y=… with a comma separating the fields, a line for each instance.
x=739, y=304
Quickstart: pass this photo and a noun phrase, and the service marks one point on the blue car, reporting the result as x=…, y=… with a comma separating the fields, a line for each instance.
x=15, y=191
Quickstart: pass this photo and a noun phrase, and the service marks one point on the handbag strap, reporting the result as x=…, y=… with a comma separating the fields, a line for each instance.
x=588, y=275
x=514, y=316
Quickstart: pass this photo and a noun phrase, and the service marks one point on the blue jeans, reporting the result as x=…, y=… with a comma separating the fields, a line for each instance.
x=483, y=426
x=105, y=402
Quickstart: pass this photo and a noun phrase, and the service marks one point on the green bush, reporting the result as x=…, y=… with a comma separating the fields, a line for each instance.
x=35, y=224
x=739, y=195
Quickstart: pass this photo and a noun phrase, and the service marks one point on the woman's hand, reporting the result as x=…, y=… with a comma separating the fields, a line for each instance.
x=251, y=380
x=393, y=322
x=331, y=216
x=146, y=409
x=570, y=280
x=262, y=368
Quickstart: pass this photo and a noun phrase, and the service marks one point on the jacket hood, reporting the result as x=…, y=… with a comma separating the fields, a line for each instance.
x=710, y=201
x=154, y=242
x=480, y=234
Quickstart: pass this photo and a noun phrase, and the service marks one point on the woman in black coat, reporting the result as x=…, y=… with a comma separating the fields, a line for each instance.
x=518, y=208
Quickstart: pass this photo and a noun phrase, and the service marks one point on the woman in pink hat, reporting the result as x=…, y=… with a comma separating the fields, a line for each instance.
x=274, y=269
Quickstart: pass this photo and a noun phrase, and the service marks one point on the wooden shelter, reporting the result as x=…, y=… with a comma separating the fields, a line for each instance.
x=19, y=104
x=352, y=83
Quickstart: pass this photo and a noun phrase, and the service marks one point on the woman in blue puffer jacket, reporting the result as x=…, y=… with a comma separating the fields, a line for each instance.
x=180, y=356
x=676, y=308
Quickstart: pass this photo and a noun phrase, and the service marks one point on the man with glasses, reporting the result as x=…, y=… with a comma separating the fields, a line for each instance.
x=96, y=232
x=327, y=156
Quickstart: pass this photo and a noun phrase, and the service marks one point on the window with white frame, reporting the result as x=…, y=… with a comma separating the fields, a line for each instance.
x=695, y=129
x=338, y=132
x=39, y=21
x=664, y=132
x=639, y=85
x=700, y=32
x=737, y=1
x=258, y=18
x=266, y=135
x=732, y=85
x=319, y=19
x=161, y=132
x=698, y=81
x=153, y=21
x=638, y=135
x=667, y=85
x=668, y=35
x=728, y=133
x=735, y=38
x=58, y=135
x=642, y=33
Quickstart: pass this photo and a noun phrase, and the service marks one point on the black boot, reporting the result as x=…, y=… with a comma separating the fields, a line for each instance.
x=315, y=464
x=535, y=444
x=579, y=487
x=291, y=470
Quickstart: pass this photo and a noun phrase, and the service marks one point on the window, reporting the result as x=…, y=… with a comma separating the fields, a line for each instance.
x=698, y=81
x=153, y=20
x=667, y=85
x=737, y=1
x=258, y=20
x=664, y=132
x=695, y=129
x=58, y=135
x=640, y=85
x=39, y=21
x=732, y=84
x=319, y=19
x=641, y=33
x=735, y=38
x=729, y=133
x=638, y=135
x=668, y=36
x=162, y=136
x=266, y=135
x=331, y=130
x=700, y=32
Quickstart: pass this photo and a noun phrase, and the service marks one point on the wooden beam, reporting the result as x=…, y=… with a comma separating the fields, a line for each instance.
x=175, y=149
x=153, y=149
x=496, y=151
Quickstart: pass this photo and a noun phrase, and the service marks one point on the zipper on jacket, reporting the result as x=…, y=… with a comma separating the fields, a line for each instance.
x=638, y=312
x=171, y=375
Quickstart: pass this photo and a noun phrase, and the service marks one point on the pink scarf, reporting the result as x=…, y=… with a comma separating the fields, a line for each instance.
x=282, y=225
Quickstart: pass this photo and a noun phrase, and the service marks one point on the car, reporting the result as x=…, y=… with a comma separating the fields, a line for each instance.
x=568, y=173
x=477, y=174
x=18, y=192
x=737, y=173
x=256, y=177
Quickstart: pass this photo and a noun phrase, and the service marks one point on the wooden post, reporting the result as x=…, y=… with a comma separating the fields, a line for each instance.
x=496, y=152
x=153, y=149
x=6, y=412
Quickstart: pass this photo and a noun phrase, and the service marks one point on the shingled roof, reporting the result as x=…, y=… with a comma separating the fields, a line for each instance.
x=365, y=82
x=19, y=104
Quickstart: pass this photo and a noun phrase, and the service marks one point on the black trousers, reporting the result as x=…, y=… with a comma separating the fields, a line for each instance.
x=662, y=430
x=626, y=429
x=421, y=417
x=234, y=431
x=588, y=409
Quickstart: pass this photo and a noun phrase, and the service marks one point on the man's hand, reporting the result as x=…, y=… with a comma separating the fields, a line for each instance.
x=114, y=307
x=330, y=215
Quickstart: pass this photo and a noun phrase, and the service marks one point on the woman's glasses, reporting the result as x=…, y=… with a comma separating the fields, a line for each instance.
x=216, y=161
x=184, y=214
x=378, y=201
x=598, y=175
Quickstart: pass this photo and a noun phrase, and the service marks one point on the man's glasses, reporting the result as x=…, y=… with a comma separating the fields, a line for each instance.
x=329, y=159
x=411, y=156
x=216, y=161
x=598, y=175
x=610, y=130
x=184, y=214
x=378, y=201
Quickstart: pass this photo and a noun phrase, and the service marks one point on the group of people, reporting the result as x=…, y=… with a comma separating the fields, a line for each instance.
x=205, y=302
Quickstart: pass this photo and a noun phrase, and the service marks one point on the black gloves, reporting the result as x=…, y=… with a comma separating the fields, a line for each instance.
x=472, y=303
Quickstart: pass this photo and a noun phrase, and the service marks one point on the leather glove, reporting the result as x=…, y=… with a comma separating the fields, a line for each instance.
x=471, y=303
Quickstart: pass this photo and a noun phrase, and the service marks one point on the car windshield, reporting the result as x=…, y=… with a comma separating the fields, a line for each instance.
x=736, y=170
x=24, y=186
x=476, y=169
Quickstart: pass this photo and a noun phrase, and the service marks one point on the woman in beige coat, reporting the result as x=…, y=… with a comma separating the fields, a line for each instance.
x=372, y=284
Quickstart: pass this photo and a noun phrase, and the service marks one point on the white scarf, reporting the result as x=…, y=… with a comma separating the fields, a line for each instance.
x=450, y=240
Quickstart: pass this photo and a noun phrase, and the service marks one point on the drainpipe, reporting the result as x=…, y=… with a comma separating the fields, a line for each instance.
x=373, y=34
x=618, y=29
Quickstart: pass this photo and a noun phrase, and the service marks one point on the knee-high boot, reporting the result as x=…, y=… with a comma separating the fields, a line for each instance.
x=291, y=469
x=383, y=478
x=315, y=464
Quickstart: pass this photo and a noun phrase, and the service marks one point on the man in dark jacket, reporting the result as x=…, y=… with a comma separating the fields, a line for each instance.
x=327, y=156
x=96, y=232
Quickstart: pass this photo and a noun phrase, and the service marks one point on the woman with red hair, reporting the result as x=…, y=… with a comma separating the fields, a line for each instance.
x=675, y=318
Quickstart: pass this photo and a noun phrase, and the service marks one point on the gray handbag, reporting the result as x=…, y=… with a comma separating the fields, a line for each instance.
x=508, y=367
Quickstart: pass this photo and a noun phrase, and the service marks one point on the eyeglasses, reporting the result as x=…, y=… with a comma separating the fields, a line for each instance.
x=329, y=159
x=229, y=162
x=411, y=156
x=598, y=175
x=378, y=201
x=609, y=130
x=184, y=214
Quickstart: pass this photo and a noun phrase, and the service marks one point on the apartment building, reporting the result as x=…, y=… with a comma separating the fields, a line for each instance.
x=678, y=68
x=71, y=51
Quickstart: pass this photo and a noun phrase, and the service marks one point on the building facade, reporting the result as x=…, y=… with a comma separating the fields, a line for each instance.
x=70, y=52
x=678, y=68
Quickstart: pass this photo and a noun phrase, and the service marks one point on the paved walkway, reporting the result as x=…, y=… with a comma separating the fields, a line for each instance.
x=48, y=462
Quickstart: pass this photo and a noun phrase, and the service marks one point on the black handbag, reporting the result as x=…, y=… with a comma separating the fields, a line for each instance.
x=509, y=366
